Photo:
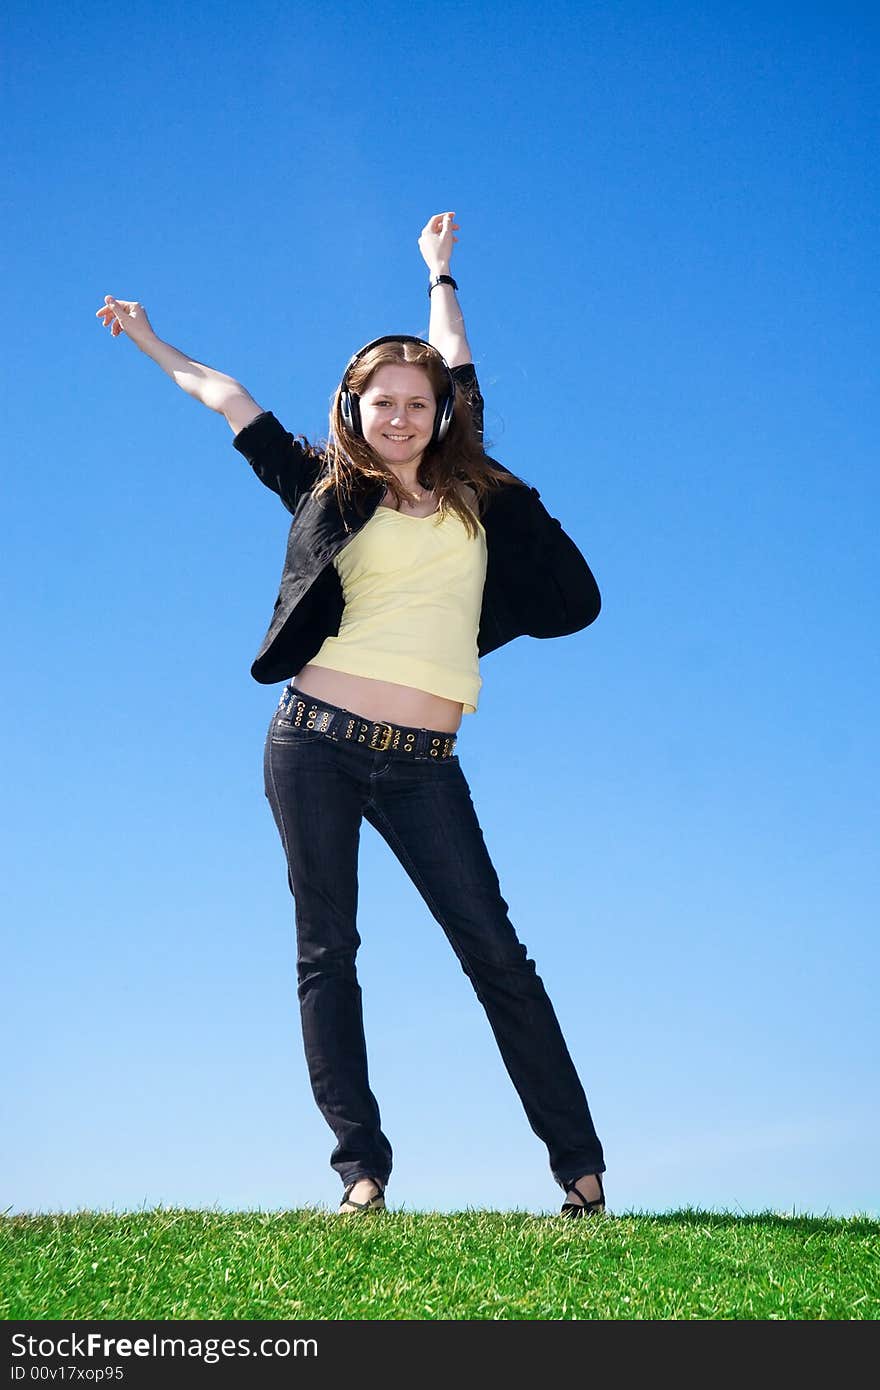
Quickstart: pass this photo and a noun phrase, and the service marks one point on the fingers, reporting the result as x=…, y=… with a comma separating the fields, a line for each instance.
x=440, y=221
x=111, y=313
x=107, y=315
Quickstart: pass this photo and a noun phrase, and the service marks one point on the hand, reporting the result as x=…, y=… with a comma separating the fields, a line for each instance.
x=126, y=316
x=436, y=240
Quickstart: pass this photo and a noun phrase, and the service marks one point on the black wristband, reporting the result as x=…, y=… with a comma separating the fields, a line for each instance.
x=441, y=280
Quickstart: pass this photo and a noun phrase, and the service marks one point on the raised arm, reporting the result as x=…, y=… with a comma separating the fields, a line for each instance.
x=214, y=389
x=446, y=331
x=279, y=461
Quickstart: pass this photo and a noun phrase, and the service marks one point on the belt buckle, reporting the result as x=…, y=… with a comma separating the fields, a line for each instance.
x=387, y=732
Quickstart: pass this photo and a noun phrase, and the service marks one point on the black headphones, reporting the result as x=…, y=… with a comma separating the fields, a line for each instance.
x=349, y=401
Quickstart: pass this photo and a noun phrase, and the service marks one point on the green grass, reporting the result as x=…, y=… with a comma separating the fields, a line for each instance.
x=308, y=1264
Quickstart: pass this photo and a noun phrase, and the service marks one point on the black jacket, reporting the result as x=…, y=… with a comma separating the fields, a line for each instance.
x=537, y=582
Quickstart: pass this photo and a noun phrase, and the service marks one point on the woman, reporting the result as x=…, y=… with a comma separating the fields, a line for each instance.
x=411, y=554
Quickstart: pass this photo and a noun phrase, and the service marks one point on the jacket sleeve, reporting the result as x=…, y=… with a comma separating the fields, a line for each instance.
x=279, y=460
x=465, y=378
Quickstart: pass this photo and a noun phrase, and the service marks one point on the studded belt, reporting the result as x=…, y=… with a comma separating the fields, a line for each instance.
x=303, y=711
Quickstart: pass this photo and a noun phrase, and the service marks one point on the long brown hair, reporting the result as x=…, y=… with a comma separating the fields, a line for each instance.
x=353, y=468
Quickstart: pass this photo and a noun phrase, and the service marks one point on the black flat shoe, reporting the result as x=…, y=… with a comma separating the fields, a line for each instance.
x=349, y=1207
x=594, y=1208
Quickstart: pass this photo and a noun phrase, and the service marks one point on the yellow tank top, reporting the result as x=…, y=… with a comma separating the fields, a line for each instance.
x=413, y=591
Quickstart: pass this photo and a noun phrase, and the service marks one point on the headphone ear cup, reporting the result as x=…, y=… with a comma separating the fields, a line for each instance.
x=443, y=418
x=349, y=406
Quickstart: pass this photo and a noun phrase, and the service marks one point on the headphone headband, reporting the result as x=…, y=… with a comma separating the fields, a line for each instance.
x=349, y=401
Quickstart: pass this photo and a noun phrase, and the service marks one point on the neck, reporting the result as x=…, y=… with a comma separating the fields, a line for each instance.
x=407, y=476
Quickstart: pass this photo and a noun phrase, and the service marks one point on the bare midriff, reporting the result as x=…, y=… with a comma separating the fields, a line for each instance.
x=396, y=704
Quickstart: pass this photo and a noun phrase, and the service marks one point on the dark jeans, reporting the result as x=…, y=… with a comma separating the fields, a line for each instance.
x=319, y=789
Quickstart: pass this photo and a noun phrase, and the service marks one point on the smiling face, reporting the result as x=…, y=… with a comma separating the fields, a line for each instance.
x=397, y=413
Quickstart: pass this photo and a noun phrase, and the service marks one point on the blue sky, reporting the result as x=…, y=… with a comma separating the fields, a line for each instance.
x=667, y=267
